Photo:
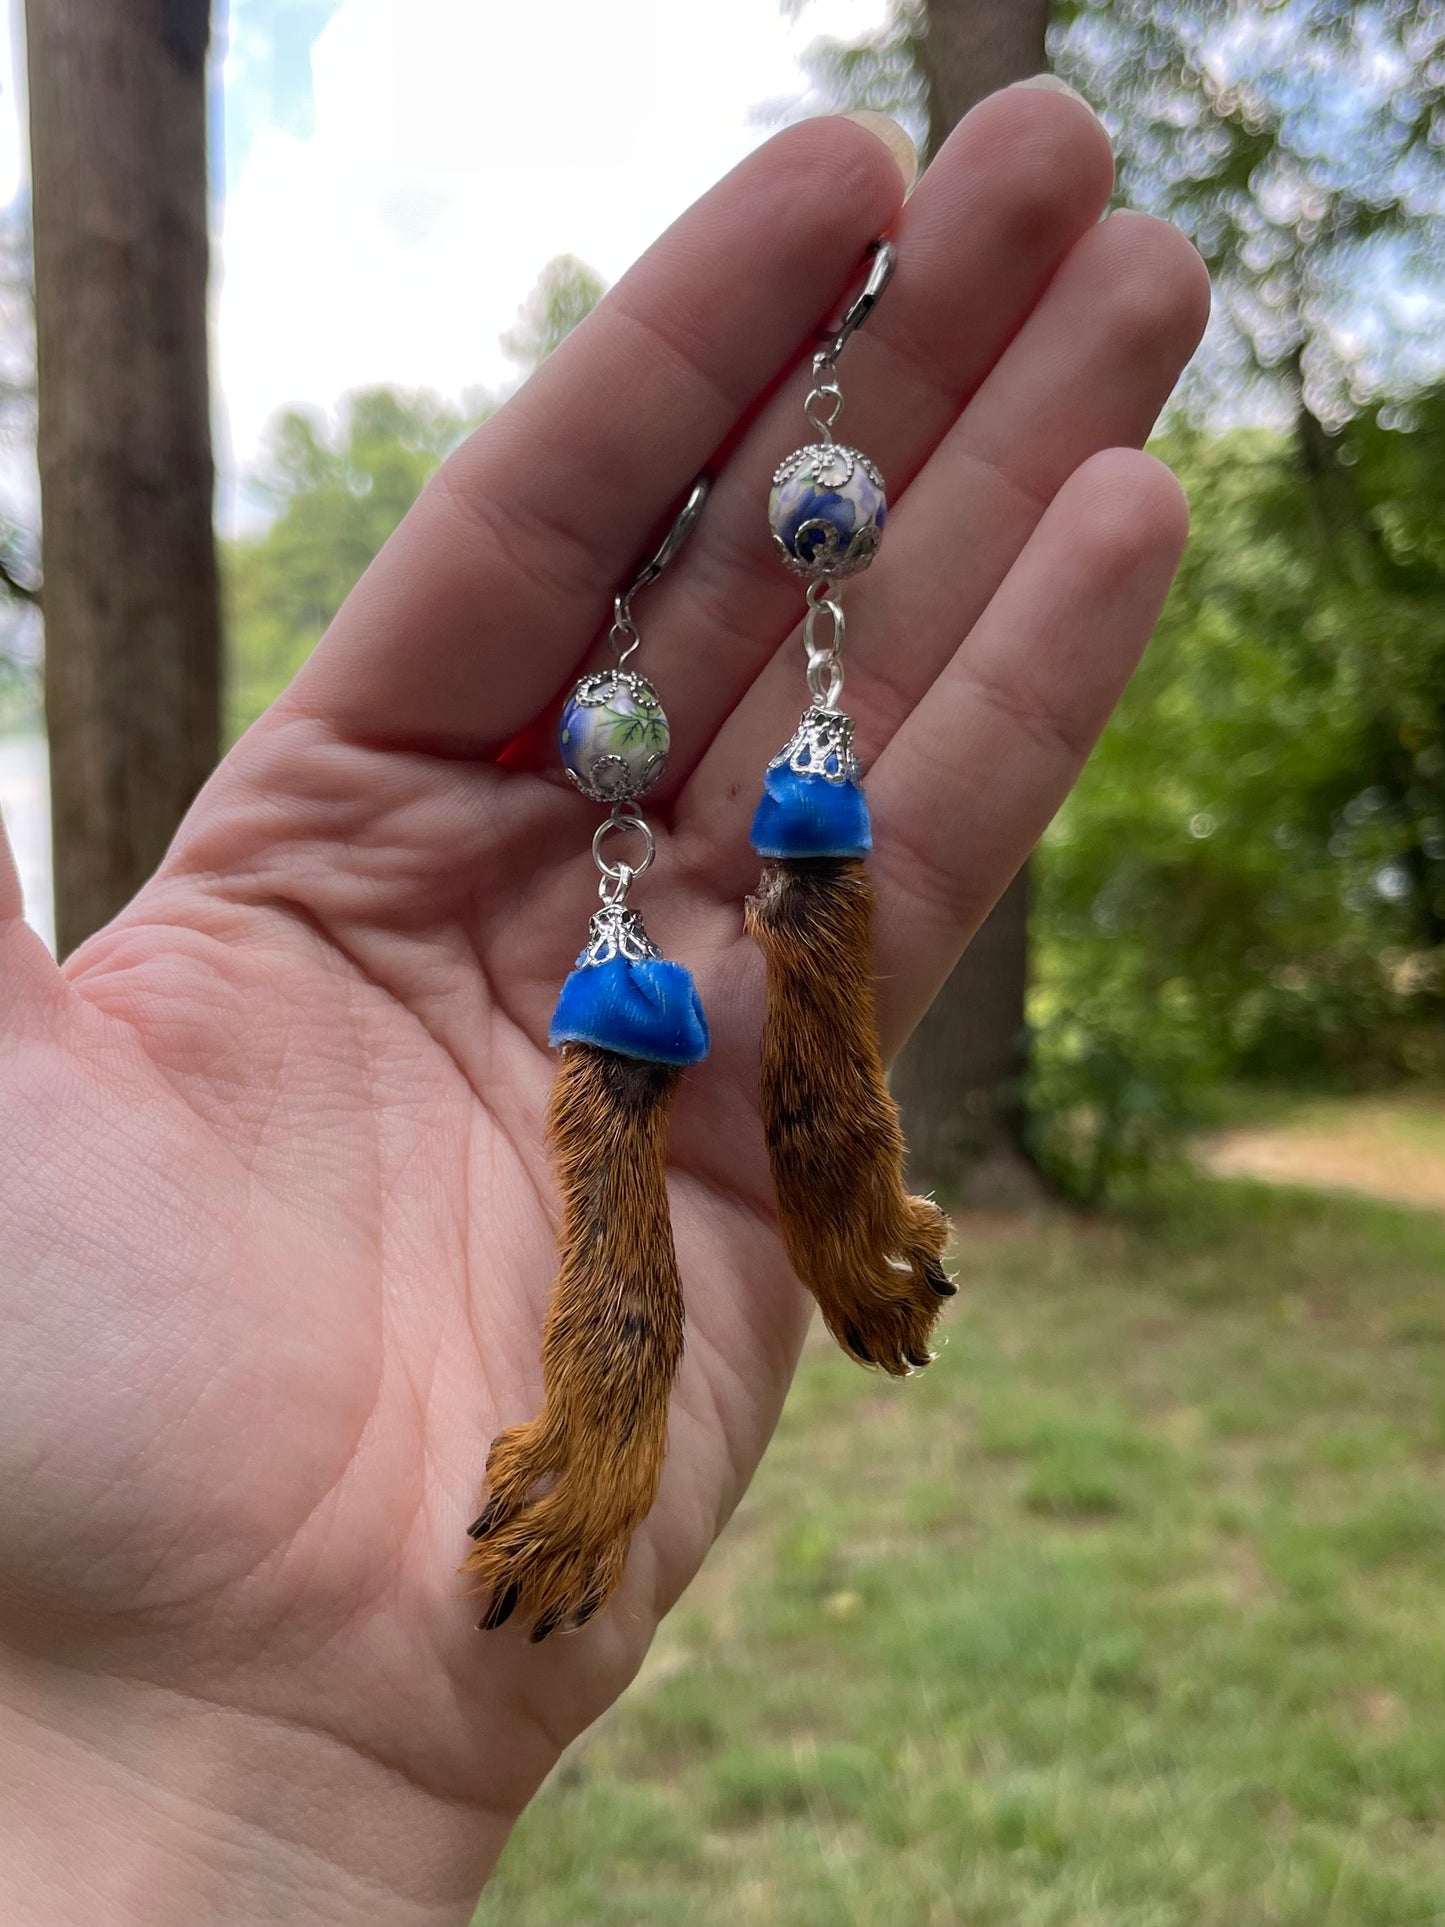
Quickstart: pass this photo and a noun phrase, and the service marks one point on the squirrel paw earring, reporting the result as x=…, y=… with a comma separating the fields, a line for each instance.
x=567, y=1491
x=869, y=1253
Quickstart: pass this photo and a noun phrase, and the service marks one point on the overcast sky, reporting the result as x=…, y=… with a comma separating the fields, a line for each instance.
x=392, y=174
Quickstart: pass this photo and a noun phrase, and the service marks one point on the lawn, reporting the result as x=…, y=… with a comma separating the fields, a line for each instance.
x=1129, y=1613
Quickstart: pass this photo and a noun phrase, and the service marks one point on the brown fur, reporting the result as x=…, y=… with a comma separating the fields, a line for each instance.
x=568, y=1490
x=868, y=1252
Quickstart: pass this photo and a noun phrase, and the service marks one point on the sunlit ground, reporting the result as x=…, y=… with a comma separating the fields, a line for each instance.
x=1129, y=1613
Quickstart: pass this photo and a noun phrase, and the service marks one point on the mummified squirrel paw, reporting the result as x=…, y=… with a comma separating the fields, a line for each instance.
x=883, y=1309
x=560, y=1554
x=868, y=1250
x=567, y=1491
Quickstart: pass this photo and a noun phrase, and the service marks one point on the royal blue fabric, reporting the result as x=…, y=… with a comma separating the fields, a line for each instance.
x=648, y=1010
x=809, y=816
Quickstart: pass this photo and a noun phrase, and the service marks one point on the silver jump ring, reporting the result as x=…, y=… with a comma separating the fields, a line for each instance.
x=825, y=695
x=824, y=662
x=834, y=612
x=621, y=875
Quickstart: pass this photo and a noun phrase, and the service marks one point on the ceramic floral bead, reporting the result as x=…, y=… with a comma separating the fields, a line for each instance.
x=613, y=736
x=827, y=510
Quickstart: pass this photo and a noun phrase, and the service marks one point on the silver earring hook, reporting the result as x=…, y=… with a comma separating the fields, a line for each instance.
x=682, y=528
x=624, y=626
x=880, y=273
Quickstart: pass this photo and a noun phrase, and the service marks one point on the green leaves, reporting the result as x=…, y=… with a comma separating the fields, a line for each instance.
x=336, y=493
x=333, y=493
x=1249, y=880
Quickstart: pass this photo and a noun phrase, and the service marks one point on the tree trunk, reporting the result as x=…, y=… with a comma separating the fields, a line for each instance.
x=960, y=1081
x=132, y=619
x=974, y=47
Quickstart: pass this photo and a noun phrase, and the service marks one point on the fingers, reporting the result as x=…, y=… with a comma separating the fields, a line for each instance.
x=971, y=780
x=1090, y=369
x=1020, y=180
x=494, y=585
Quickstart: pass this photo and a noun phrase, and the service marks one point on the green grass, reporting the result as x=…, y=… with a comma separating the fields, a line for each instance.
x=1129, y=1613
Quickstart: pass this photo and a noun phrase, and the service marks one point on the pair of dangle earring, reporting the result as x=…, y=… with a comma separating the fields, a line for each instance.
x=567, y=1491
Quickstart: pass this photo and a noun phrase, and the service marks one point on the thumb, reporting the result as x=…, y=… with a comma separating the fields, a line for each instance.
x=31, y=985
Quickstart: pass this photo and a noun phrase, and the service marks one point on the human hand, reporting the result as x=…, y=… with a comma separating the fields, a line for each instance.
x=278, y=1236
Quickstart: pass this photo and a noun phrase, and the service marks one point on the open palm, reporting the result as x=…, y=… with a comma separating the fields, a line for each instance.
x=279, y=1231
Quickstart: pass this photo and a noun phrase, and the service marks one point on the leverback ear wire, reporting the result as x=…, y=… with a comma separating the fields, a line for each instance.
x=825, y=380
x=624, y=635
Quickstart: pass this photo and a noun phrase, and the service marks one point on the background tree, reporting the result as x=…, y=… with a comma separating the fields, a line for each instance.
x=133, y=642
x=566, y=292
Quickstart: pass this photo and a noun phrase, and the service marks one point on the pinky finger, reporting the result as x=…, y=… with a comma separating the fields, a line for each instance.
x=971, y=780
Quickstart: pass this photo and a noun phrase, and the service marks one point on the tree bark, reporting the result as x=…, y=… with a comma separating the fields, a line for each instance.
x=960, y=1082
x=974, y=47
x=132, y=617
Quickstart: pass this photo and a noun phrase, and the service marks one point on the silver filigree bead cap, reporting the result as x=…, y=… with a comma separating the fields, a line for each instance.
x=613, y=736
x=821, y=745
x=827, y=510
x=616, y=931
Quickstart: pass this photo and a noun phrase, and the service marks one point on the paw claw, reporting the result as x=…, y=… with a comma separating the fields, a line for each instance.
x=548, y=1624
x=853, y=1338
x=939, y=1280
x=486, y=1519
x=504, y=1604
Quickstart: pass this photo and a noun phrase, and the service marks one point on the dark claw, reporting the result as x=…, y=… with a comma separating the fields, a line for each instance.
x=585, y=1611
x=854, y=1341
x=939, y=1280
x=503, y=1605
x=548, y=1624
x=485, y=1520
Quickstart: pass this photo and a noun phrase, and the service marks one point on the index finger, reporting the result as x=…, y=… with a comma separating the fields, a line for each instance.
x=493, y=587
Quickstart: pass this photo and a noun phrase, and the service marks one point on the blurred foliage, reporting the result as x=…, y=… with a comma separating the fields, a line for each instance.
x=567, y=291
x=1299, y=145
x=1249, y=881
x=334, y=491
x=880, y=70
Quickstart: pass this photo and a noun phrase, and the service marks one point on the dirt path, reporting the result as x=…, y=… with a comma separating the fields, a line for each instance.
x=1366, y=1153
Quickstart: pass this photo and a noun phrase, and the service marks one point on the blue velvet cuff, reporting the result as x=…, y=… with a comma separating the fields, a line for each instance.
x=809, y=816
x=648, y=1010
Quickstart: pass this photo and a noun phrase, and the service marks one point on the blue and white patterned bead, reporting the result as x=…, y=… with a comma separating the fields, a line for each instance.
x=613, y=736
x=827, y=510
